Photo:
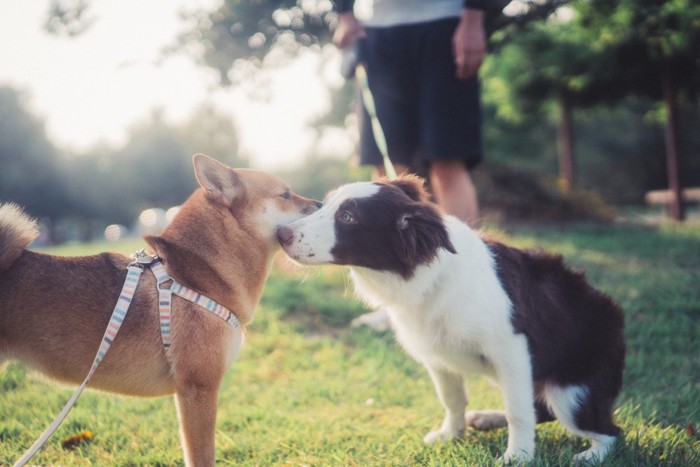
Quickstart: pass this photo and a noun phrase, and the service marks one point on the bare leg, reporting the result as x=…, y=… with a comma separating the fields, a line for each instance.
x=197, y=413
x=450, y=391
x=454, y=190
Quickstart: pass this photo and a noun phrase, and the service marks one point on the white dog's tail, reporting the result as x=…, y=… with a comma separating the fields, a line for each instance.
x=17, y=231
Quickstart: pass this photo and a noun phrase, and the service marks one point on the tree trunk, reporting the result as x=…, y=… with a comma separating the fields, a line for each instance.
x=676, y=208
x=565, y=143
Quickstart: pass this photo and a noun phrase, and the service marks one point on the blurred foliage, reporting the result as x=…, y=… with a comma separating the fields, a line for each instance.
x=270, y=31
x=620, y=149
x=598, y=51
x=153, y=168
x=68, y=18
x=30, y=172
x=319, y=175
x=525, y=196
x=605, y=56
x=638, y=41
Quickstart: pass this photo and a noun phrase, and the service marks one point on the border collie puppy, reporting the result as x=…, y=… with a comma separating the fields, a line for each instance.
x=461, y=304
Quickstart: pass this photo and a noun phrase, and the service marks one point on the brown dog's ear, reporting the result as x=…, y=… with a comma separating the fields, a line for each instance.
x=220, y=182
x=412, y=186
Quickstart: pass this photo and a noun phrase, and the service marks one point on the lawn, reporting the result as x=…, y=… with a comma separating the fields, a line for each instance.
x=308, y=390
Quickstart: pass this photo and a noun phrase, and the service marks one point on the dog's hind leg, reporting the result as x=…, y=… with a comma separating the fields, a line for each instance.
x=486, y=419
x=450, y=390
x=196, y=407
x=586, y=416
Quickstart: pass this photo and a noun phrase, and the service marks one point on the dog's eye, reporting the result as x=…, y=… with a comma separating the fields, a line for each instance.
x=345, y=216
x=286, y=195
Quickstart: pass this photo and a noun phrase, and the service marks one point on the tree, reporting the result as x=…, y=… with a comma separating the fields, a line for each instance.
x=153, y=169
x=31, y=175
x=609, y=50
x=648, y=48
x=68, y=17
x=548, y=61
x=272, y=31
x=211, y=132
x=265, y=30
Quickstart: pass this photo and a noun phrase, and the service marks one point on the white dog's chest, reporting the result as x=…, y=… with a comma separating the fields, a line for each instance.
x=442, y=348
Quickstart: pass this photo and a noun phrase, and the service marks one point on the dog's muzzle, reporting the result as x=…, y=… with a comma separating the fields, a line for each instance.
x=285, y=236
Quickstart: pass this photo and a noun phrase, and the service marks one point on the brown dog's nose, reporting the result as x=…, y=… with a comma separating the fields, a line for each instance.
x=312, y=207
x=285, y=235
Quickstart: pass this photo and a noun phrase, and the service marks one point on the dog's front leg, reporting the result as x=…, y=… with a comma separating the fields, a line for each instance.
x=196, y=407
x=450, y=391
x=513, y=368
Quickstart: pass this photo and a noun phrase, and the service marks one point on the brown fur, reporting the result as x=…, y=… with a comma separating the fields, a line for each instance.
x=54, y=310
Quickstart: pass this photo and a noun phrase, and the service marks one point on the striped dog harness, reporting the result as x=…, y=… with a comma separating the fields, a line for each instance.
x=134, y=270
x=165, y=299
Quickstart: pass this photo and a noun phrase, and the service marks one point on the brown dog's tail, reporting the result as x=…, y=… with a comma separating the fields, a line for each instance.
x=17, y=231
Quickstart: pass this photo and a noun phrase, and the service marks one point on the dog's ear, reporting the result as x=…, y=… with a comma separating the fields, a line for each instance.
x=421, y=232
x=220, y=182
x=412, y=185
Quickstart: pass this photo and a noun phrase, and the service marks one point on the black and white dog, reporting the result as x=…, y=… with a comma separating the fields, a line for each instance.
x=460, y=304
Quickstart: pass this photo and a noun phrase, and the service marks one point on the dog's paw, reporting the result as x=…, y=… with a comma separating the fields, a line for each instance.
x=584, y=458
x=442, y=436
x=597, y=452
x=485, y=419
x=519, y=457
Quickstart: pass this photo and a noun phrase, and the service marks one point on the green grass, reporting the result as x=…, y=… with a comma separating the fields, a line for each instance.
x=307, y=390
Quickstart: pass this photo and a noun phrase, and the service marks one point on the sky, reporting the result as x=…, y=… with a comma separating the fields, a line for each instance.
x=91, y=89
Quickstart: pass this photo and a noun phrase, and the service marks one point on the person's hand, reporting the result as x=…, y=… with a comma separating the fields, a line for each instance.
x=348, y=31
x=469, y=43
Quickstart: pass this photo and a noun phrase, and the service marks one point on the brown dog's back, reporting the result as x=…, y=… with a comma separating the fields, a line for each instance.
x=60, y=337
x=53, y=312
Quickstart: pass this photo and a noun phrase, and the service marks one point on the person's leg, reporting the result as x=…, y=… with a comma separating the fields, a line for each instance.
x=454, y=190
x=450, y=123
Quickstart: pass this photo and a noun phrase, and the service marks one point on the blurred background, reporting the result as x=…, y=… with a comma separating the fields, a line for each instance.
x=589, y=106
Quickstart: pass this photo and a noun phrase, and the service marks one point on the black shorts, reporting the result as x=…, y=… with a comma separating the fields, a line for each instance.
x=422, y=107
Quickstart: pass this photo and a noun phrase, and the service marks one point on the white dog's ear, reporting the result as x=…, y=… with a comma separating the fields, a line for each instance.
x=220, y=182
x=412, y=185
x=422, y=232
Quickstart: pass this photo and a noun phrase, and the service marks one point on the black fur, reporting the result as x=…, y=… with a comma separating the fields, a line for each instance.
x=391, y=231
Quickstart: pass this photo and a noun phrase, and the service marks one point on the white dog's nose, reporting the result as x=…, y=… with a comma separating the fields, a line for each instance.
x=285, y=235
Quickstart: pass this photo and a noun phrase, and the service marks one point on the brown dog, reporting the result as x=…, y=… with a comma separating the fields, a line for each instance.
x=54, y=310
